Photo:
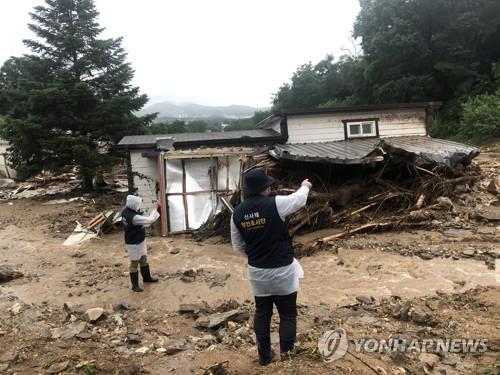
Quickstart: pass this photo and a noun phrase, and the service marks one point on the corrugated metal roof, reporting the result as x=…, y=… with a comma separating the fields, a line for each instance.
x=433, y=150
x=353, y=151
x=361, y=151
x=151, y=140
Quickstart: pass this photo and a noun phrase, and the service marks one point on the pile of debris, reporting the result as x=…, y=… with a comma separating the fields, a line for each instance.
x=400, y=193
x=39, y=186
x=102, y=223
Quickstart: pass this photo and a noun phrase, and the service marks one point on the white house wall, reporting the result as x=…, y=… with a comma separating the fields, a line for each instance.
x=4, y=170
x=329, y=127
x=144, y=170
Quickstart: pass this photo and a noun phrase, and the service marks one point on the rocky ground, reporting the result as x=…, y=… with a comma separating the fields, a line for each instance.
x=69, y=310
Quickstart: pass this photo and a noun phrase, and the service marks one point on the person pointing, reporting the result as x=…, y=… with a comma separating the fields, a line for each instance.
x=259, y=231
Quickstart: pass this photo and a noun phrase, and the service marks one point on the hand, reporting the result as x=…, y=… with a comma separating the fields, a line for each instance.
x=306, y=183
x=157, y=205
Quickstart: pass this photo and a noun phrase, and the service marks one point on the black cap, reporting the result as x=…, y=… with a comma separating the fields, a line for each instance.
x=256, y=181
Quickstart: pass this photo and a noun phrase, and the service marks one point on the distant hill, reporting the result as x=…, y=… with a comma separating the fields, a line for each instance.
x=188, y=111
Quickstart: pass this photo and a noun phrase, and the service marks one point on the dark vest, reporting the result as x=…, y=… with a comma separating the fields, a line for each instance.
x=268, y=244
x=134, y=234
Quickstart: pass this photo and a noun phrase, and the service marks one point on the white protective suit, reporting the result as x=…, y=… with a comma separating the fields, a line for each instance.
x=135, y=252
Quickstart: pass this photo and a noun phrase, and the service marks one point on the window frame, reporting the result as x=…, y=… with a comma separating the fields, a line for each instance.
x=360, y=122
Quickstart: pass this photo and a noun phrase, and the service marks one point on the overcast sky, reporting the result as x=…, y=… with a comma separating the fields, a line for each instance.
x=216, y=52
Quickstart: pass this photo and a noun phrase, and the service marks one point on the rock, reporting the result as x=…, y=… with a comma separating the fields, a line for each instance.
x=381, y=371
x=7, y=183
x=468, y=253
x=398, y=371
x=420, y=317
x=93, y=315
x=142, y=350
x=68, y=331
x=56, y=368
x=175, y=250
x=232, y=325
x=3, y=367
x=133, y=338
x=8, y=356
x=242, y=332
x=462, y=189
x=190, y=273
x=445, y=203
x=16, y=308
x=7, y=274
x=73, y=308
x=123, y=305
x=323, y=315
x=84, y=336
x=494, y=186
x=401, y=311
x=189, y=308
x=161, y=350
x=218, y=319
x=428, y=359
x=491, y=213
x=419, y=215
x=425, y=255
x=367, y=300
x=118, y=319
x=175, y=348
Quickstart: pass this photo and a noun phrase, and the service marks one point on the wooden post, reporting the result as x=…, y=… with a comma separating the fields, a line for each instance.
x=162, y=182
x=186, y=213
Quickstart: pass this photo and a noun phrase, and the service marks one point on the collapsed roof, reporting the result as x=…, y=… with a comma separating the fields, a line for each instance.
x=420, y=150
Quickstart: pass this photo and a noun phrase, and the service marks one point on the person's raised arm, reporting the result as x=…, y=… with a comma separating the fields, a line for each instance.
x=147, y=220
x=288, y=204
x=236, y=239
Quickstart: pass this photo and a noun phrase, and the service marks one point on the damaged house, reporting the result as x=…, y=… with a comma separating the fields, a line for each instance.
x=193, y=175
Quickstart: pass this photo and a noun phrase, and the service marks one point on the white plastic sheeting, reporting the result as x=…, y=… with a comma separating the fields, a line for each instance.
x=192, y=188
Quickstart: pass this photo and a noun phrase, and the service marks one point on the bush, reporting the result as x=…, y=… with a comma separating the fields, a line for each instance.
x=481, y=118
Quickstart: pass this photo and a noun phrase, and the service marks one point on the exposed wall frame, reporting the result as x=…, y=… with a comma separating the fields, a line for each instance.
x=347, y=121
x=197, y=186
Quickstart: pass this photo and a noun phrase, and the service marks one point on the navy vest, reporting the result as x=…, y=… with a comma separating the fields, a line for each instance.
x=268, y=244
x=134, y=234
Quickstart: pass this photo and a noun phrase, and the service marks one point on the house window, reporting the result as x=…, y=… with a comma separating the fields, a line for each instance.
x=363, y=128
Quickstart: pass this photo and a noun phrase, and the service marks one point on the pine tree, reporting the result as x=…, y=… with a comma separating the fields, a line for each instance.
x=72, y=93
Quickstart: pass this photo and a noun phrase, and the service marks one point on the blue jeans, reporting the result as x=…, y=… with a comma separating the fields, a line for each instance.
x=287, y=310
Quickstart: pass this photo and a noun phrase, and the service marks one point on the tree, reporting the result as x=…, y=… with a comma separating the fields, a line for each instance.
x=71, y=93
x=197, y=126
x=175, y=127
x=481, y=115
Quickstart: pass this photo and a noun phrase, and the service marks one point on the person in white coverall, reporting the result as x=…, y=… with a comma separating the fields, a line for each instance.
x=135, y=239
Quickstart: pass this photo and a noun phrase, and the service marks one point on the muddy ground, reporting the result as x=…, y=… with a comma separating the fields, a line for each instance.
x=438, y=282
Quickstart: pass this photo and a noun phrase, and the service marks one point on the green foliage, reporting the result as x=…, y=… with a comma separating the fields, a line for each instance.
x=90, y=369
x=248, y=123
x=413, y=50
x=481, y=118
x=71, y=93
x=177, y=126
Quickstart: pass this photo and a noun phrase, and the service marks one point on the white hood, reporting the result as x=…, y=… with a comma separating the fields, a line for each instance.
x=134, y=202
